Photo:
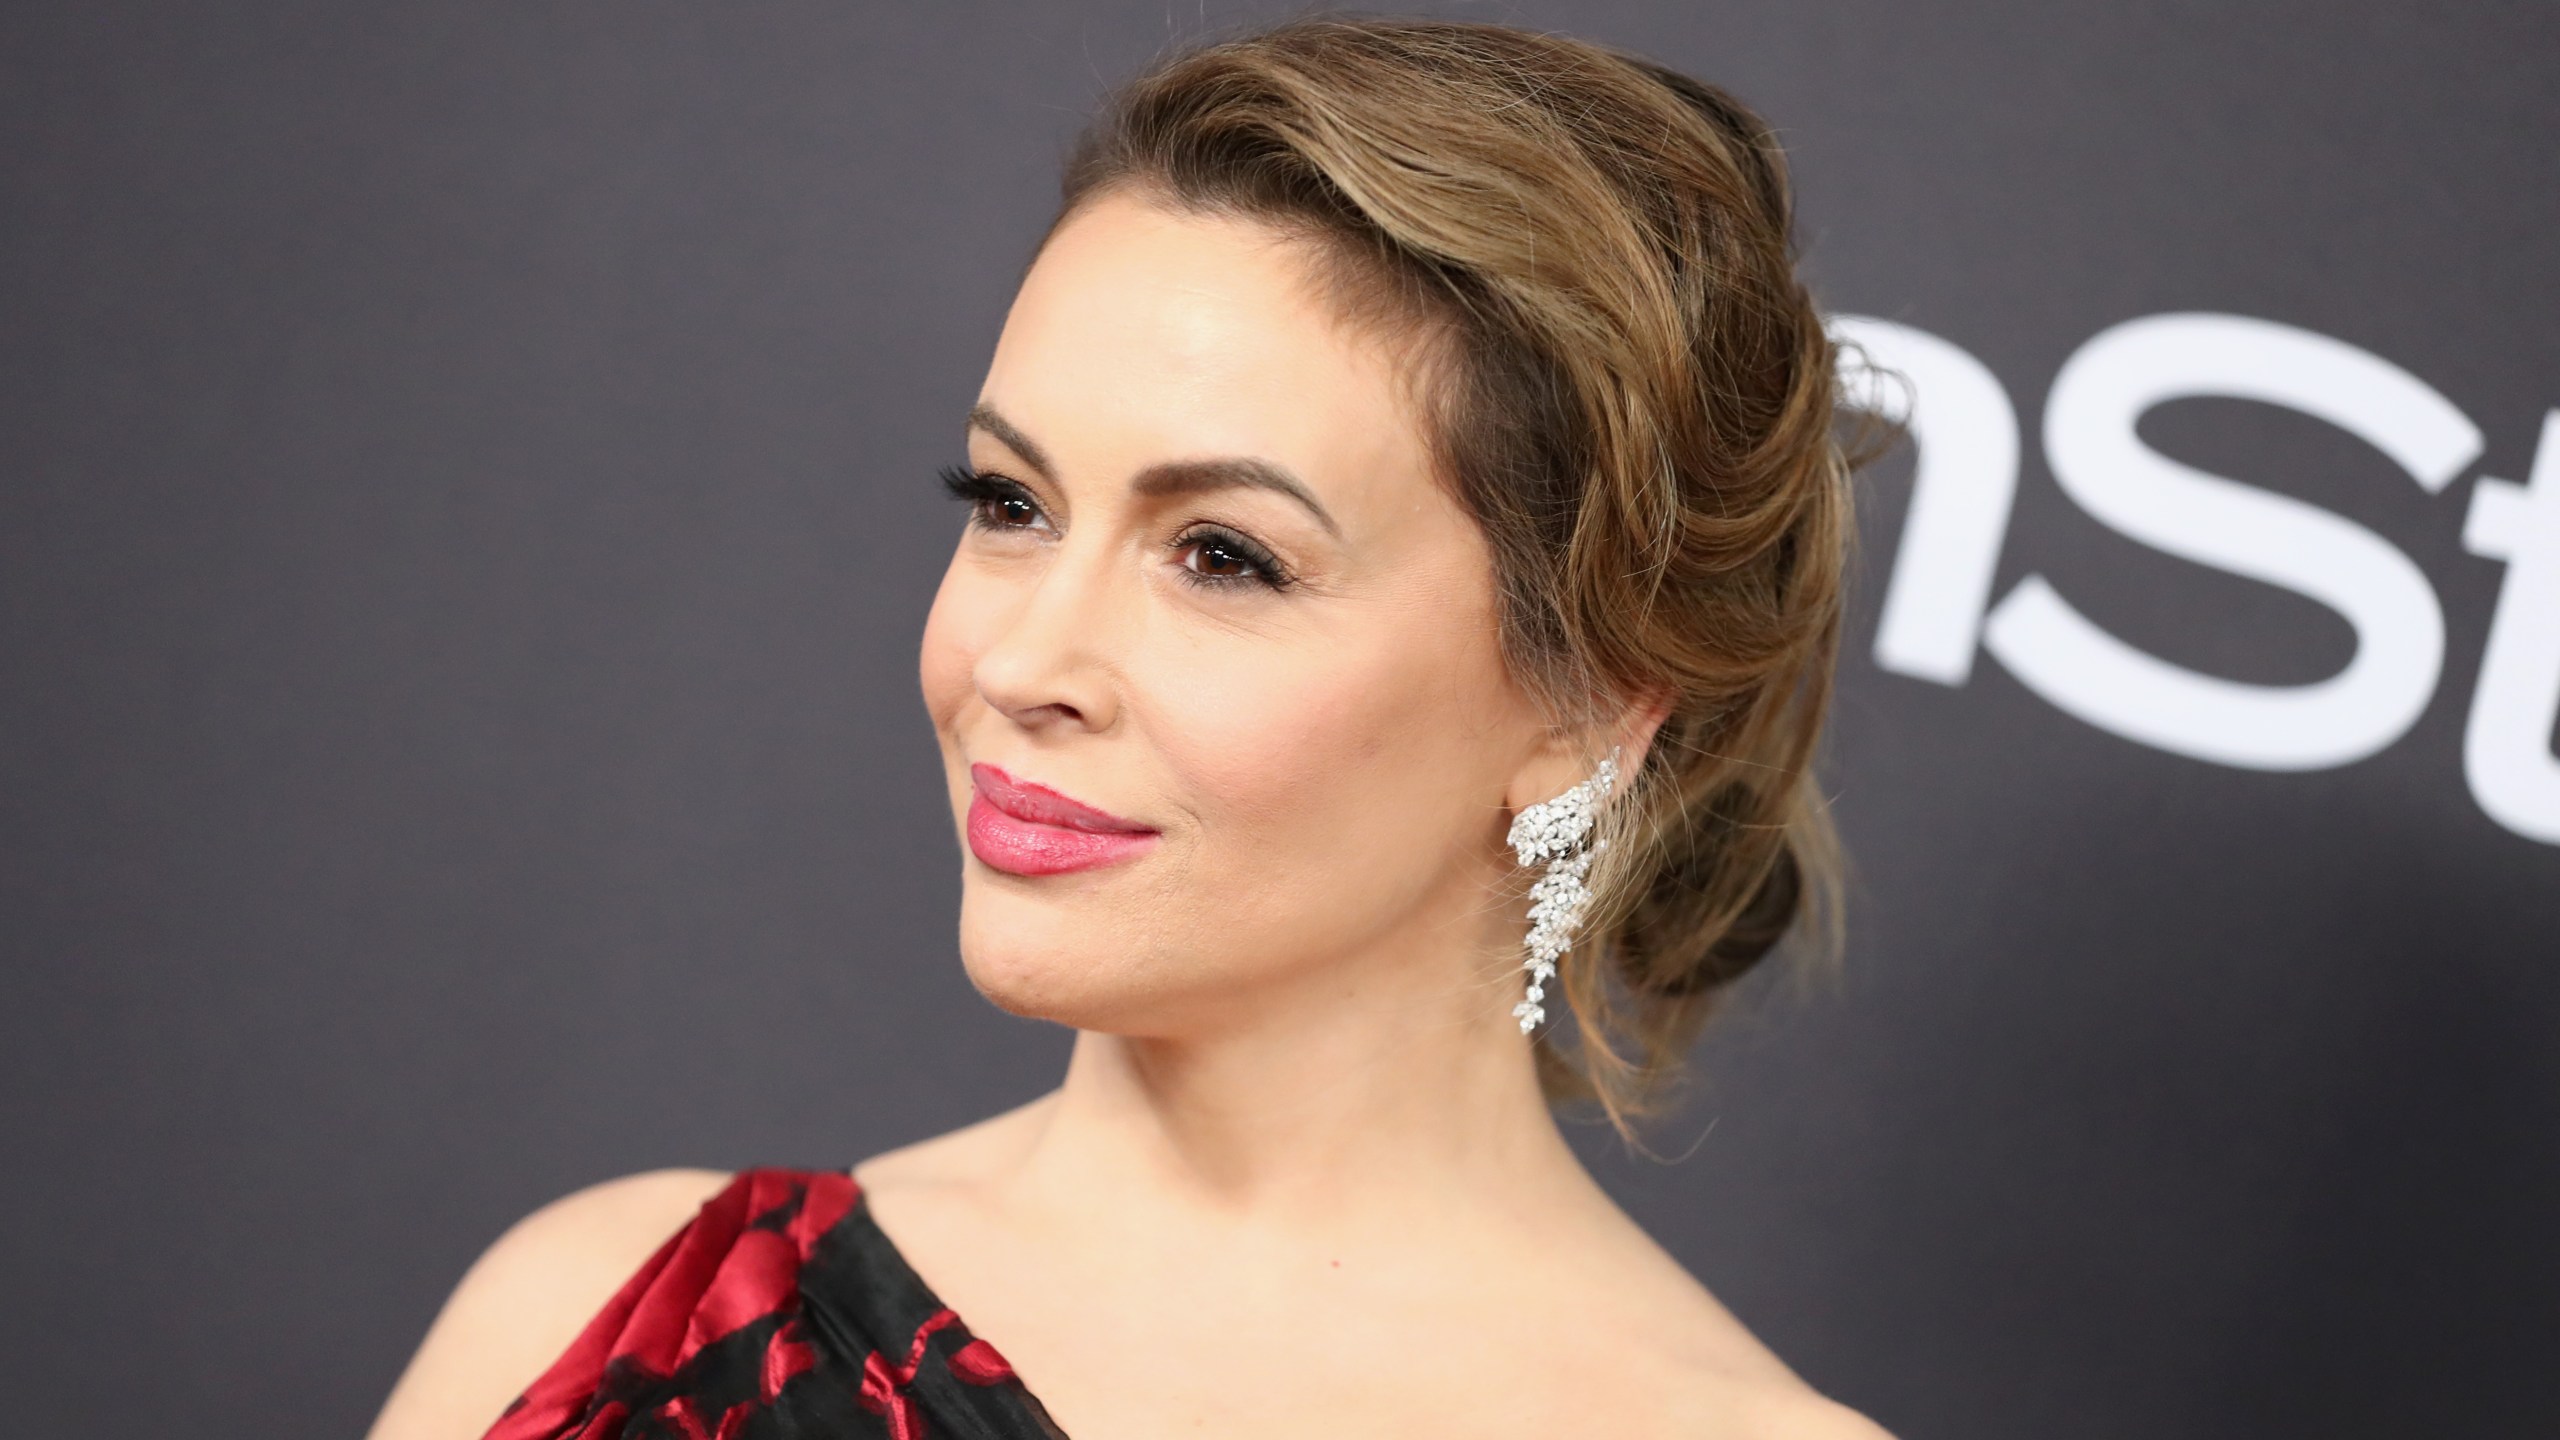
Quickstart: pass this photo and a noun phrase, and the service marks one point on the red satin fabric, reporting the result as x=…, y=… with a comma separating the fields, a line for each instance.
x=714, y=1337
x=883, y=1391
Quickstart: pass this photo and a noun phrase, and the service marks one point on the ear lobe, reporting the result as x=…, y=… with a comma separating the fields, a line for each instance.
x=1557, y=766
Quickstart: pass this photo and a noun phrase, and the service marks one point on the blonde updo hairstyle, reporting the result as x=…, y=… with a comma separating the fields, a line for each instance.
x=1629, y=389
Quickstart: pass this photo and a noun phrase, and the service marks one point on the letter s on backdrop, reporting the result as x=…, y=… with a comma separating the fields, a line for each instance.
x=2097, y=459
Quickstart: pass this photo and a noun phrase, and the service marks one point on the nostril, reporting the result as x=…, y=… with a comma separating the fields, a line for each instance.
x=1049, y=698
x=1046, y=657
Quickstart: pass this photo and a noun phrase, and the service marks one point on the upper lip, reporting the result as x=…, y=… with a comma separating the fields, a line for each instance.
x=1041, y=805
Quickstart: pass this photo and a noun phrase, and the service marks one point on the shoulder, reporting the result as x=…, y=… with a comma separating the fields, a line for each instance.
x=1692, y=1366
x=1733, y=1385
x=1801, y=1414
x=529, y=1294
x=1758, y=1399
x=1753, y=1395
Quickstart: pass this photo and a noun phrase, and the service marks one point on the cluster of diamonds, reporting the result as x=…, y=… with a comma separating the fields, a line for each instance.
x=1553, y=833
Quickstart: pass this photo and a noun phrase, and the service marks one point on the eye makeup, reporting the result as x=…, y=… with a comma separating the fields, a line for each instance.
x=1220, y=547
x=983, y=492
x=1210, y=556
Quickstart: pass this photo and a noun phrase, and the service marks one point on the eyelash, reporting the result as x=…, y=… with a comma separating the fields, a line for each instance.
x=981, y=492
x=1266, y=568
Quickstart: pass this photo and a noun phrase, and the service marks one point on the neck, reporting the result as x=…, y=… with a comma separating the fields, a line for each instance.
x=1391, y=1102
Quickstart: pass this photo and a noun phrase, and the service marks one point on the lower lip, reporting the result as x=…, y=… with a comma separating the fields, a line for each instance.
x=1026, y=847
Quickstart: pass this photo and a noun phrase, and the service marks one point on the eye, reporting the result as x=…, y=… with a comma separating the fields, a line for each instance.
x=995, y=503
x=1010, y=511
x=1214, y=557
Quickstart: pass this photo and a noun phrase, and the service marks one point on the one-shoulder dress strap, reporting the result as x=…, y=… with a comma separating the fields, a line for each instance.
x=779, y=1312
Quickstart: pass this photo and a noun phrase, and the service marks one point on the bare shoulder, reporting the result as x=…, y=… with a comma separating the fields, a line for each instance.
x=528, y=1296
x=1692, y=1367
x=1740, y=1391
x=1740, y=1388
x=1731, y=1384
x=1798, y=1413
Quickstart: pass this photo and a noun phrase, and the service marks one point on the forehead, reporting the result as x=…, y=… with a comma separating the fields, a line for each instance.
x=1143, y=334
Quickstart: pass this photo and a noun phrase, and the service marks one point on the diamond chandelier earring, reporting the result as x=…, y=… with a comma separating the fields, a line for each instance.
x=1553, y=832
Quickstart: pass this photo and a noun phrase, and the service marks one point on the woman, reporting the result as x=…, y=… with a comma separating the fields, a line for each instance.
x=1405, y=479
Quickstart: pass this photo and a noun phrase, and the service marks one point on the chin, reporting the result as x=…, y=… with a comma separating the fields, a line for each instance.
x=1044, y=966
x=1033, y=986
x=1088, y=972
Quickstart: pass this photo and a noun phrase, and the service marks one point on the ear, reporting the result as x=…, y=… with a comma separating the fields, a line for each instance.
x=1564, y=759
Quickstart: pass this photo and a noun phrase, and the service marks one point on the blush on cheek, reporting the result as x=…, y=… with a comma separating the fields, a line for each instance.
x=1256, y=741
x=1267, y=733
x=1292, y=768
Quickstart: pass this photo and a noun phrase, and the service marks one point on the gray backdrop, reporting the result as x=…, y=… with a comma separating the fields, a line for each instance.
x=466, y=515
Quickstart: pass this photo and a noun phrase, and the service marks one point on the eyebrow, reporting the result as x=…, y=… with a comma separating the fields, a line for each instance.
x=983, y=416
x=1172, y=477
x=1184, y=477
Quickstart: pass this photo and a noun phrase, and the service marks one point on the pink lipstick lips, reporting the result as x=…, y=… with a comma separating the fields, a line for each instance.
x=1025, y=829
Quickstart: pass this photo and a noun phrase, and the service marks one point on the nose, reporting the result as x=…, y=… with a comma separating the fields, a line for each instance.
x=1050, y=665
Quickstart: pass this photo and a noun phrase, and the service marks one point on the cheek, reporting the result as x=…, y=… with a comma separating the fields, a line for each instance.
x=949, y=654
x=1345, y=778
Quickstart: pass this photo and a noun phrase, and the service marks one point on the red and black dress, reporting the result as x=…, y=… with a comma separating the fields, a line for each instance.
x=780, y=1312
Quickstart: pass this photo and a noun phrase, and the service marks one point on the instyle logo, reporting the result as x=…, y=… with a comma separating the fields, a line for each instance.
x=1938, y=609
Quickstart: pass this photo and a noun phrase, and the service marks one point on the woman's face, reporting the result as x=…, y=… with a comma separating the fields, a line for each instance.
x=1210, y=590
